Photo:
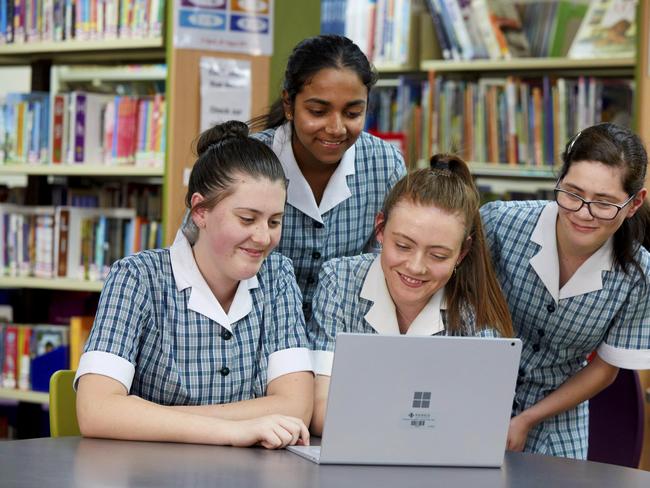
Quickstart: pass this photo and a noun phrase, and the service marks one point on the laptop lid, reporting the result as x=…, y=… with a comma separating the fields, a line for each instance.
x=407, y=400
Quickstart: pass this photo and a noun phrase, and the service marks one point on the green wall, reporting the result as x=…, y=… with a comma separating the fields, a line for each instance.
x=294, y=21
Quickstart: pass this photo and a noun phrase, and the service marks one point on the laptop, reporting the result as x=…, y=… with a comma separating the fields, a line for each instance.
x=423, y=401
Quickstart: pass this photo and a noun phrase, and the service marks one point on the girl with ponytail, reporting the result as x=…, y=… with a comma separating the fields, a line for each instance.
x=576, y=275
x=433, y=275
x=204, y=342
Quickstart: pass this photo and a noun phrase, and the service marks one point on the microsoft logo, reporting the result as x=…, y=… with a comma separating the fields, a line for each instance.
x=421, y=399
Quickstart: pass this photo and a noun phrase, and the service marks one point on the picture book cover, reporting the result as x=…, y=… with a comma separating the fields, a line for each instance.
x=608, y=30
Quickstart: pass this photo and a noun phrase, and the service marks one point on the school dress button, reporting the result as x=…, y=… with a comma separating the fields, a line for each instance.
x=306, y=307
x=540, y=332
x=315, y=255
x=550, y=308
x=226, y=335
x=225, y=371
x=318, y=225
x=536, y=347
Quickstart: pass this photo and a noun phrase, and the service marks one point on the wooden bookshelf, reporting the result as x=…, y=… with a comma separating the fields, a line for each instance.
x=24, y=395
x=526, y=64
x=82, y=45
x=50, y=283
x=513, y=170
x=80, y=170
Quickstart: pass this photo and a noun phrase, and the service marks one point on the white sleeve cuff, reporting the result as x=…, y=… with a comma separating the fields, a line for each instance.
x=106, y=364
x=322, y=361
x=624, y=358
x=288, y=361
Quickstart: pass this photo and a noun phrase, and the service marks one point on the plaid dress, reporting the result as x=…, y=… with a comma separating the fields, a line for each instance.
x=599, y=309
x=160, y=331
x=352, y=297
x=346, y=228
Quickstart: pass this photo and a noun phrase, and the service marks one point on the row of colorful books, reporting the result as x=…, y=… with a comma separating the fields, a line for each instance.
x=508, y=120
x=30, y=354
x=144, y=197
x=84, y=128
x=59, y=20
x=487, y=29
x=71, y=242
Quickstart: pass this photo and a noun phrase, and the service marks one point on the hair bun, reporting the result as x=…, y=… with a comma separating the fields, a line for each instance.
x=226, y=131
x=450, y=165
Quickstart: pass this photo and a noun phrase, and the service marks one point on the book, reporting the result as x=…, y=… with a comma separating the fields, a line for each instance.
x=508, y=29
x=607, y=30
x=568, y=17
x=79, y=331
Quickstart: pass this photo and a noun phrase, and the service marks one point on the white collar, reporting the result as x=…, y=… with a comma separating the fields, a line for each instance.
x=202, y=300
x=587, y=278
x=299, y=193
x=382, y=315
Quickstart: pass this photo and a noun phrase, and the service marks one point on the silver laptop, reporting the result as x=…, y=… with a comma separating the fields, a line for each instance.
x=426, y=401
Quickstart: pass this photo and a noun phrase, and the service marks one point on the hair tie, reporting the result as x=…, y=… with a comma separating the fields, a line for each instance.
x=440, y=167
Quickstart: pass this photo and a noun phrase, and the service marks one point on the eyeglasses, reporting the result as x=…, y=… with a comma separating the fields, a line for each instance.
x=599, y=210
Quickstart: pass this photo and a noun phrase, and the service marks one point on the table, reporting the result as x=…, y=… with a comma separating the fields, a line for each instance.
x=88, y=463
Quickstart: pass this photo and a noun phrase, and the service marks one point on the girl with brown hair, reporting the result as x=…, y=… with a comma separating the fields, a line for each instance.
x=433, y=275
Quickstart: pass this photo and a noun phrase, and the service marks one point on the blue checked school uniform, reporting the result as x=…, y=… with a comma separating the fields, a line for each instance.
x=599, y=309
x=352, y=296
x=160, y=331
x=343, y=222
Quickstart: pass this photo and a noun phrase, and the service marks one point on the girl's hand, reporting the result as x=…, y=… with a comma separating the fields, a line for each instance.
x=271, y=432
x=518, y=433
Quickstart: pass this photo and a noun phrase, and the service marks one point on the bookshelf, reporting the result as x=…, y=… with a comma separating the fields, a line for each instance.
x=59, y=66
x=80, y=170
x=525, y=64
x=26, y=396
x=50, y=283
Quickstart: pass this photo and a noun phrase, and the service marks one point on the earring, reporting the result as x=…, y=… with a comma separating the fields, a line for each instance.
x=289, y=116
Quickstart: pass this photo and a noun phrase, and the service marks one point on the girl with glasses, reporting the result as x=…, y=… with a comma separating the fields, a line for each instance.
x=576, y=275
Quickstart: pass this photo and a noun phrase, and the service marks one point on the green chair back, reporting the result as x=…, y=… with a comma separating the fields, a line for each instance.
x=63, y=411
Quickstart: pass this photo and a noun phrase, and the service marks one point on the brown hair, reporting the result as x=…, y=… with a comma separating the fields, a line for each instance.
x=617, y=146
x=223, y=151
x=448, y=184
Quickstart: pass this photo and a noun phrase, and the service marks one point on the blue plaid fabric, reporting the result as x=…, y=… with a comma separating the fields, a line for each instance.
x=178, y=353
x=557, y=338
x=348, y=226
x=339, y=308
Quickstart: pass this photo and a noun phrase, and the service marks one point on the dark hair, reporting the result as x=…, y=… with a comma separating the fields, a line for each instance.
x=310, y=56
x=448, y=184
x=619, y=147
x=223, y=151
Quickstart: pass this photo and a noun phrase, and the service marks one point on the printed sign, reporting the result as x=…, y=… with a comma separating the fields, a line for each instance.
x=225, y=91
x=241, y=26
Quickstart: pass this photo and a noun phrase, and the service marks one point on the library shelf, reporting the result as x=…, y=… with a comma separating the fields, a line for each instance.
x=50, y=283
x=147, y=72
x=80, y=170
x=513, y=170
x=518, y=64
x=77, y=45
x=24, y=395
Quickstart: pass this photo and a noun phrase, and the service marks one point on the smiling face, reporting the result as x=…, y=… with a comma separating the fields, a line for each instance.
x=421, y=245
x=240, y=231
x=328, y=116
x=593, y=180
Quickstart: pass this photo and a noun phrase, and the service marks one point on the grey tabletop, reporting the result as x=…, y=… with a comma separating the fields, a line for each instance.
x=77, y=462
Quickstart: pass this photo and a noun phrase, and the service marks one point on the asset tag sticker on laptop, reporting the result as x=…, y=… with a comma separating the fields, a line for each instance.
x=420, y=415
